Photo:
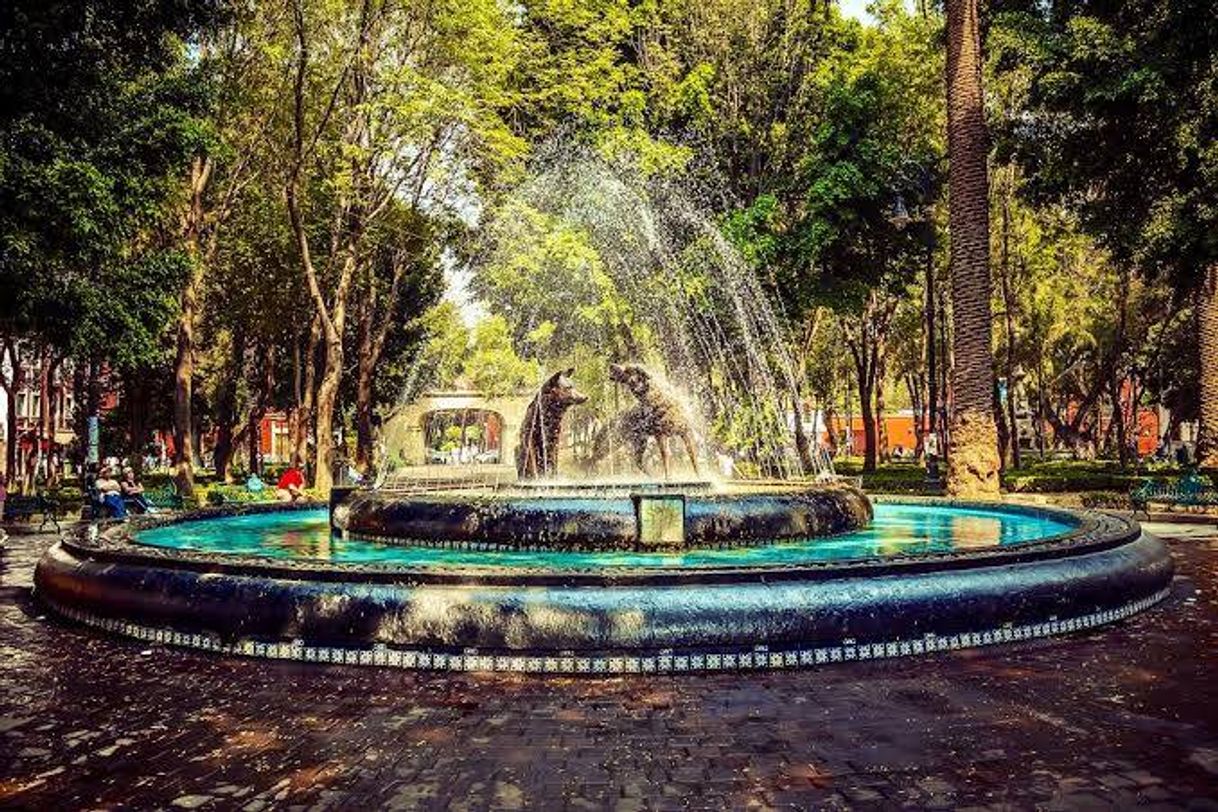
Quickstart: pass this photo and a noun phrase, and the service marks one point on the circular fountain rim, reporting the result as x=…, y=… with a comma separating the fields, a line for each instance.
x=557, y=487
x=1091, y=531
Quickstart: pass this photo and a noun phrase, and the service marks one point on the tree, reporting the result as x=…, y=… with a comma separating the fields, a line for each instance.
x=102, y=110
x=493, y=367
x=1120, y=125
x=442, y=352
x=379, y=116
x=232, y=154
x=845, y=227
x=400, y=280
x=973, y=461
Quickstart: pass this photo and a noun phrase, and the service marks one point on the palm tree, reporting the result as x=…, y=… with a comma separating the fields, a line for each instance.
x=973, y=455
x=1207, y=346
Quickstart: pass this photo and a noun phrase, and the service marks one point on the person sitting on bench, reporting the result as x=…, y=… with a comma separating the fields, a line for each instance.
x=110, y=493
x=290, y=487
x=133, y=492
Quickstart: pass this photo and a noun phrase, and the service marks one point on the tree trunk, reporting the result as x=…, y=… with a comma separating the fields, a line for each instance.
x=1118, y=421
x=867, y=411
x=881, y=428
x=12, y=385
x=297, y=395
x=183, y=370
x=932, y=355
x=973, y=456
x=306, y=396
x=802, y=447
x=1207, y=348
x=1008, y=307
x=183, y=375
x=262, y=380
x=42, y=422
x=1040, y=407
x=831, y=434
x=327, y=397
x=93, y=401
x=226, y=408
x=945, y=365
x=135, y=400
x=253, y=439
x=917, y=402
x=363, y=392
x=54, y=461
x=1000, y=424
x=864, y=367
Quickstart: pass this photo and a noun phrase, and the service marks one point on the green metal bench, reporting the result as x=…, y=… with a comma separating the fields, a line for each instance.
x=24, y=508
x=1190, y=490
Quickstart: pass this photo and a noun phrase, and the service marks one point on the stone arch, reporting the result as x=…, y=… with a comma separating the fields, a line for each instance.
x=406, y=430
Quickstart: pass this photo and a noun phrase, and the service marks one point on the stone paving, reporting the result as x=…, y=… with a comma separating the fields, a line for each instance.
x=1116, y=718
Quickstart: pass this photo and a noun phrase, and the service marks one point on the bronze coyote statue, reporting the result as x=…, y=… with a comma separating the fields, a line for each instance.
x=657, y=414
x=537, y=451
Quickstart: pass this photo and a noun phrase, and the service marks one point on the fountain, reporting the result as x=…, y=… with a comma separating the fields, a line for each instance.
x=627, y=573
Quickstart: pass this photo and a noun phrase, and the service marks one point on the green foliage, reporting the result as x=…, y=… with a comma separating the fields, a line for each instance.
x=868, y=170
x=442, y=353
x=1120, y=123
x=817, y=140
x=102, y=109
x=549, y=283
x=493, y=366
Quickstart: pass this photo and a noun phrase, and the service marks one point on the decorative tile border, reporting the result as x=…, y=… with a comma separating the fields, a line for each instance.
x=498, y=547
x=758, y=658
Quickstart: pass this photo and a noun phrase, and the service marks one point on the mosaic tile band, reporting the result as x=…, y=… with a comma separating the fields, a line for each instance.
x=758, y=658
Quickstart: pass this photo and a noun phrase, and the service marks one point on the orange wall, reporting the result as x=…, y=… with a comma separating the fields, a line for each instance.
x=901, y=432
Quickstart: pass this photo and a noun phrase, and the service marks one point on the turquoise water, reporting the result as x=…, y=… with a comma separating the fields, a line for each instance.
x=897, y=530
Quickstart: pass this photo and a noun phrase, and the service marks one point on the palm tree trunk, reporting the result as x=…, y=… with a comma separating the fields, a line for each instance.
x=1207, y=348
x=973, y=456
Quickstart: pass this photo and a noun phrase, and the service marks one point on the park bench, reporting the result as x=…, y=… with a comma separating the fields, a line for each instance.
x=166, y=497
x=1190, y=490
x=24, y=508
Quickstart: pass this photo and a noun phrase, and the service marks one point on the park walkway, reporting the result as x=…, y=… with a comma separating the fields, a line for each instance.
x=1119, y=717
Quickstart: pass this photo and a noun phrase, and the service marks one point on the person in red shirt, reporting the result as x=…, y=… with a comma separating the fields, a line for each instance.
x=290, y=487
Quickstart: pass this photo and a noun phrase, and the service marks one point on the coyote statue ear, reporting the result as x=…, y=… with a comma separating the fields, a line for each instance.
x=570, y=372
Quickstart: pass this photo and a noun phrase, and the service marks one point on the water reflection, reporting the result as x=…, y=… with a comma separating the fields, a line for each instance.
x=971, y=532
x=302, y=542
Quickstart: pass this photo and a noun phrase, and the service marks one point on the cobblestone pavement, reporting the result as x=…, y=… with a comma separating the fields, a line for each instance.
x=1119, y=717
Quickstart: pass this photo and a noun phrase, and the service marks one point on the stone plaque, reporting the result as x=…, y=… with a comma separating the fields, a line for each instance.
x=660, y=520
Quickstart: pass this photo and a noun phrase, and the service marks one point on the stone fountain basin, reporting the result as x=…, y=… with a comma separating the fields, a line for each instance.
x=600, y=621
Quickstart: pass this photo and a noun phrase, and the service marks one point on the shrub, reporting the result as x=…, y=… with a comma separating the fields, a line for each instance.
x=229, y=494
x=1105, y=500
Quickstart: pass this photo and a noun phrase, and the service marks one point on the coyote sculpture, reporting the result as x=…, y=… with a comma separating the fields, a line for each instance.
x=657, y=414
x=537, y=451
